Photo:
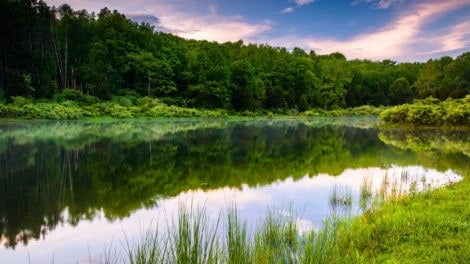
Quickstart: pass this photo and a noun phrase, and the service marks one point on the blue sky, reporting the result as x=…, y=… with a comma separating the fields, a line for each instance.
x=403, y=30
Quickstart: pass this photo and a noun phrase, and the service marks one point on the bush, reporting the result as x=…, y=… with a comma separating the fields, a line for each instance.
x=111, y=109
x=76, y=96
x=3, y=110
x=122, y=100
x=131, y=95
x=20, y=101
x=149, y=102
x=430, y=112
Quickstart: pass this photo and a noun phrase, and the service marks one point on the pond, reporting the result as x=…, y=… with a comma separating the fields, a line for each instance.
x=71, y=190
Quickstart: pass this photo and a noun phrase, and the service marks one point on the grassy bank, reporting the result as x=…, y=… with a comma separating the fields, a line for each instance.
x=429, y=227
x=433, y=227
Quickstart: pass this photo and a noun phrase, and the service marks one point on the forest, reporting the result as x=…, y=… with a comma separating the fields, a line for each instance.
x=58, y=54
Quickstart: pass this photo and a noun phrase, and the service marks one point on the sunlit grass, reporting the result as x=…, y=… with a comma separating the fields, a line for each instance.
x=424, y=227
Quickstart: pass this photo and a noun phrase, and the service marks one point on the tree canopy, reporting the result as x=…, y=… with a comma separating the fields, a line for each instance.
x=45, y=50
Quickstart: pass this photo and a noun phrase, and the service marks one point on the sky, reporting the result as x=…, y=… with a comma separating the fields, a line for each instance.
x=402, y=30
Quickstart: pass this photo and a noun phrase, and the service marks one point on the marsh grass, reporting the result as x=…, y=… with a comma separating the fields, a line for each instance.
x=276, y=239
x=365, y=193
x=194, y=239
x=341, y=195
x=239, y=247
x=147, y=250
x=427, y=227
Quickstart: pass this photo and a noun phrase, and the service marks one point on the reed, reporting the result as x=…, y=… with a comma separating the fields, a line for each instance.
x=423, y=228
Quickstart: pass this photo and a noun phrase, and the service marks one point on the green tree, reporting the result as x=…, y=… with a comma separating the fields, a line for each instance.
x=153, y=76
x=400, y=91
x=335, y=76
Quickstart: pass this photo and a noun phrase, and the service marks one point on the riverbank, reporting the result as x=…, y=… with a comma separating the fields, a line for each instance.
x=22, y=108
x=433, y=227
x=428, y=227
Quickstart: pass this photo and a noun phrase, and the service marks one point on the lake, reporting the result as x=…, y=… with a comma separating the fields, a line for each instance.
x=70, y=191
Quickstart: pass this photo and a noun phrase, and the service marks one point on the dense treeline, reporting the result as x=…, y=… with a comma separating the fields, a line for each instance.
x=45, y=50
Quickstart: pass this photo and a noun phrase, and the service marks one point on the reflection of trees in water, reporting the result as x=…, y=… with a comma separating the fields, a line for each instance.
x=444, y=148
x=40, y=179
x=34, y=190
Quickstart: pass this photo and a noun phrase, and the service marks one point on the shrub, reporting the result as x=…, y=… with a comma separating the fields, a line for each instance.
x=149, y=102
x=53, y=111
x=111, y=109
x=430, y=112
x=3, y=110
x=20, y=101
x=122, y=100
x=76, y=96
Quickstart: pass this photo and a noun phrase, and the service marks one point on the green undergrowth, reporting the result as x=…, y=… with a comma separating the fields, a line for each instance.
x=60, y=110
x=356, y=111
x=430, y=112
x=146, y=107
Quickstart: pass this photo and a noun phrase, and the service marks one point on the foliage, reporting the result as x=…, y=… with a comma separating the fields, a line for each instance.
x=356, y=111
x=430, y=112
x=60, y=52
x=120, y=107
x=75, y=96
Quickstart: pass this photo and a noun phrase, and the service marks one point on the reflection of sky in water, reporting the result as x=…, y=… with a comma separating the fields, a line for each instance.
x=309, y=198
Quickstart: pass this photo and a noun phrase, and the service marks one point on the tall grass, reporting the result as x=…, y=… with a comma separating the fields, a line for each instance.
x=341, y=195
x=192, y=238
x=399, y=230
x=365, y=193
x=238, y=244
x=148, y=249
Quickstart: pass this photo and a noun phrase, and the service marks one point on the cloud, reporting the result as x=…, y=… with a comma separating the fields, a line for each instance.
x=144, y=18
x=211, y=26
x=213, y=9
x=356, y=2
x=303, y=2
x=403, y=38
x=220, y=29
x=410, y=34
x=451, y=38
x=384, y=4
x=380, y=4
x=180, y=18
x=287, y=10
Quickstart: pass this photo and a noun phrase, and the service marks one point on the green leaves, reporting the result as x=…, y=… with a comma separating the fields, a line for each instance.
x=48, y=50
x=430, y=112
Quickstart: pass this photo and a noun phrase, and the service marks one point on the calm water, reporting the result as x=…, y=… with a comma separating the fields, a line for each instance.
x=69, y=191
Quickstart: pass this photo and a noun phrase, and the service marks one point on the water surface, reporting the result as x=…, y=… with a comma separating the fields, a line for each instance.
x=69, y=190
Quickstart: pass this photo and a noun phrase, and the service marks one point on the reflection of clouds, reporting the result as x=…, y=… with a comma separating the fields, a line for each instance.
x=306, y=201
x=403, y=176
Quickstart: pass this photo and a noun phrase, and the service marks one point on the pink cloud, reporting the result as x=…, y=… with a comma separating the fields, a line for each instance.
x=398, y=39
